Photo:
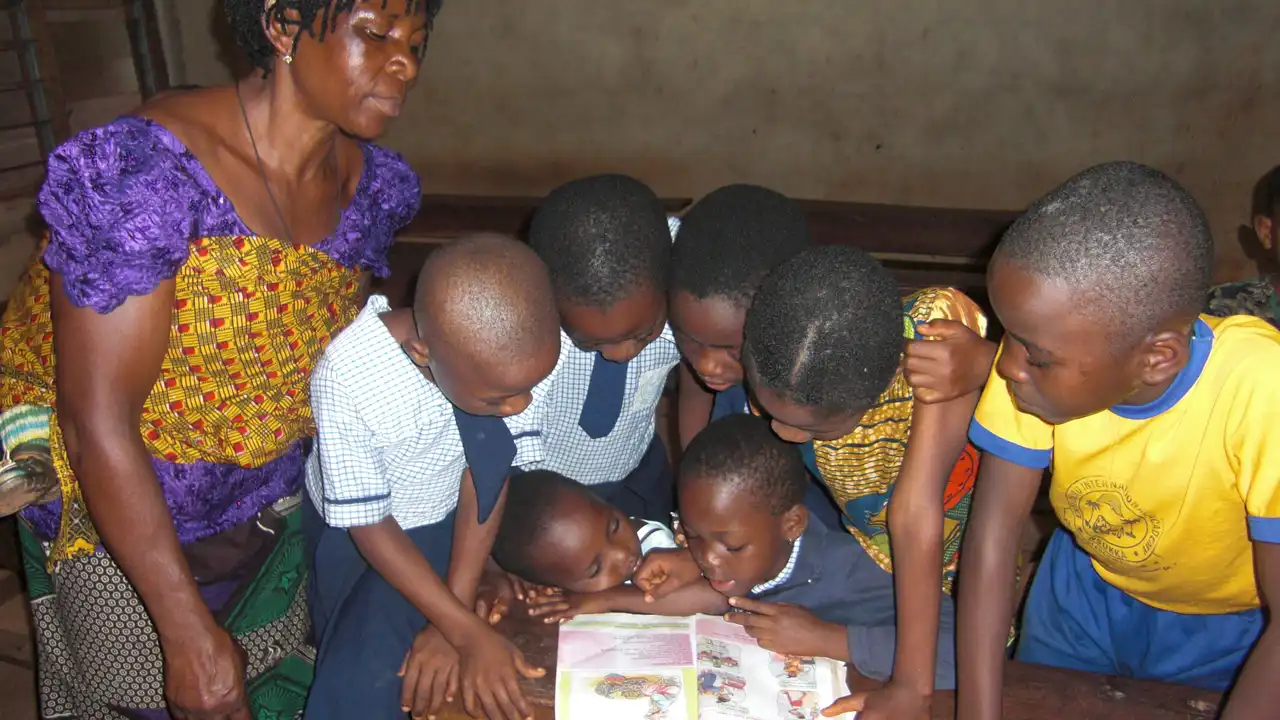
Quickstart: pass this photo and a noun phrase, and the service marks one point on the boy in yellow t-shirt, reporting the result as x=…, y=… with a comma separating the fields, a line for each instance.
x=1159, y=425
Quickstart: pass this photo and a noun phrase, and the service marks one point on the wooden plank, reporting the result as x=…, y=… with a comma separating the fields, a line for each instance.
x=448, y=216
x=908, y=229
x=55, y=105
x=892, y=229
x=1032, y=692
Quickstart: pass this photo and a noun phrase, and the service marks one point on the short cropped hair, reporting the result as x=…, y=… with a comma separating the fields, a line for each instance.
x=742, y=453
x=603, y=237
x=825, y=330
x=532, y=500
x=1130, y=240
x=732, y=238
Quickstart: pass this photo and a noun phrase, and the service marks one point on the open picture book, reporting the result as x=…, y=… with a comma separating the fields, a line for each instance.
x=644, y=667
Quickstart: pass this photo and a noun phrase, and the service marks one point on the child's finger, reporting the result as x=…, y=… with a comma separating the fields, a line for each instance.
x=439, y=689
x=753, y=606
x=409, y=687
x=451, y=683
x=525, y=668
x=424, y=693
x=846, y=704
x=547, y=608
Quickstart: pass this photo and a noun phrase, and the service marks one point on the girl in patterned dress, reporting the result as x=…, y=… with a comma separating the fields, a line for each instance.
x=200, y=254
x=824, y=342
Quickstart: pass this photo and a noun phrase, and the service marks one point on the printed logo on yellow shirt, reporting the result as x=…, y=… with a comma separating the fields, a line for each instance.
x=1104, y=517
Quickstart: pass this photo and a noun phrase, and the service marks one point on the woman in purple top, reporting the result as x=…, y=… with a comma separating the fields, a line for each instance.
x=154, y=364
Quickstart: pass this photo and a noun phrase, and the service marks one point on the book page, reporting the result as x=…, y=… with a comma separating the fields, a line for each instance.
x=739, y=680
x=624, y=667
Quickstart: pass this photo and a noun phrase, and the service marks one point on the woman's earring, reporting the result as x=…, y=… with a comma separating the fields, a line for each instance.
x=288, y=58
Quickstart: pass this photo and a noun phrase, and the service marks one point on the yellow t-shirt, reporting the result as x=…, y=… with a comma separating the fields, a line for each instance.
x=1166, y=497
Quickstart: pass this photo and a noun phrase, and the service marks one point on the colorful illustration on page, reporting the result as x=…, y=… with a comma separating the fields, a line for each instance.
x=798, y=704
x=660, y=690
x=716, y=654
x=793, y=671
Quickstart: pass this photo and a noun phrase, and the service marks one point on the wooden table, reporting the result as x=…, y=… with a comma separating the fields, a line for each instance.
x=1032, y=692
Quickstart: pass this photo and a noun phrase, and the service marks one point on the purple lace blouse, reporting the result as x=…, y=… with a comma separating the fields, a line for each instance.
x=123, y=202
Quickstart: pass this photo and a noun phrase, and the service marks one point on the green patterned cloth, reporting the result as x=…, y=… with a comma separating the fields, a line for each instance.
x=1256, y=297
x=98, y=653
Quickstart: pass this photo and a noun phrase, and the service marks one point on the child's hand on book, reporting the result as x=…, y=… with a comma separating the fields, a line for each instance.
x=664, y=571
x=430, y=673
x=789, y=629
x=891, y=702
x=490, y=670
x=562, y=606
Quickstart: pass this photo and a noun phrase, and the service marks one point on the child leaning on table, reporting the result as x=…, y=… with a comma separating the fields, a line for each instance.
x=579, y=552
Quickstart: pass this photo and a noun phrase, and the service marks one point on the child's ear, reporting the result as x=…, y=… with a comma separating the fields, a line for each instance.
x=1264, y=228
x=1163, y=356
x=417, y=351
x=794, y=522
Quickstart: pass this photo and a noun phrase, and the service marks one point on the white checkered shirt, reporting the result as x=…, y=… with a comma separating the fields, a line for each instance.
x=386, y=440
x=785, y=575
x=573, y=453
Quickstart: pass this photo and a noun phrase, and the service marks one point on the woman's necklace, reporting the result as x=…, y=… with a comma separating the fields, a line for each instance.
x=262, y=172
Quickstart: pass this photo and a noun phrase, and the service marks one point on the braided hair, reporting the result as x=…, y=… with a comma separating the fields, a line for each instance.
x=247, y=18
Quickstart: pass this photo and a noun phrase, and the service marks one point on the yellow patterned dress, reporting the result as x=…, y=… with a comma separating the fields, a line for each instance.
x=860, y=469
x=228, y=422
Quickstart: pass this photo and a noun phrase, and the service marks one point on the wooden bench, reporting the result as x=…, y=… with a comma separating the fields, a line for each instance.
x=921, y=246
x=1032, y=692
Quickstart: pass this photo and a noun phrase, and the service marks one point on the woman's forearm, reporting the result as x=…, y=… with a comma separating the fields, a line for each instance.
x=128, y=510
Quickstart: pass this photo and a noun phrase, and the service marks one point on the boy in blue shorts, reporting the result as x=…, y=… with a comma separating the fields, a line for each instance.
x=420, y=414
x=1159, y=426
x=607, y=242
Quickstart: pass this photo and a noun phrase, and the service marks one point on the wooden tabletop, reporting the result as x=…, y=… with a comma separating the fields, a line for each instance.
x=1032, y=692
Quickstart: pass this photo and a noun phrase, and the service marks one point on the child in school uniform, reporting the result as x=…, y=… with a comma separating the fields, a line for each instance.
x=582, y=552
x=727, y=243
x=607, y=242
x=800, y=588
x=420, y=414
x=823, y=356
x=1159, y=426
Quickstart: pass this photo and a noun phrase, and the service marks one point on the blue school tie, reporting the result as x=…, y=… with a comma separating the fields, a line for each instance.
x=603, y=404
x=489, y=449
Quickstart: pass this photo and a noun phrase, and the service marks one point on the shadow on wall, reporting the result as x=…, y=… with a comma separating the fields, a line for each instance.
x=224, y=37
x=1267, y=261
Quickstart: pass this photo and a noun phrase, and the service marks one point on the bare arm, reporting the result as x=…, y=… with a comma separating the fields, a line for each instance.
x=388, y=549
x=688, y=600
x=106, y=367
x=1257, y=693
x=693, y=405
x=1002, y=501
x=472, y=541
x=938, y=434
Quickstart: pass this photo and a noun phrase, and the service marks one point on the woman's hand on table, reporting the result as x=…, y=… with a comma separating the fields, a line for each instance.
x=491, y=667
x=430, y=672
x=204, y=677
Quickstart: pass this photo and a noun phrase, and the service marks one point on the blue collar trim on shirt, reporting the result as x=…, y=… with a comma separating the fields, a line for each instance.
x=1201, y=344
